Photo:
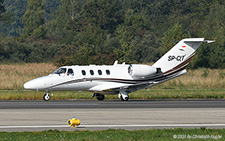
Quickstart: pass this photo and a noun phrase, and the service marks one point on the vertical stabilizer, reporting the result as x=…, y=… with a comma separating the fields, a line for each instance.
x=179, y=56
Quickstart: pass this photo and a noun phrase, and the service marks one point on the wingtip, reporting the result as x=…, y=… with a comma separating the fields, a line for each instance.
x=210, y=41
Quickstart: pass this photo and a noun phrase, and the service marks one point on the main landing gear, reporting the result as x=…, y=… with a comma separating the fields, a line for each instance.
x=47, y=97
x=100, y=97
x=123, y=96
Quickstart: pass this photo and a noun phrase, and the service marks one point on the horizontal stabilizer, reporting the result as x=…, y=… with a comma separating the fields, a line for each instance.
x=205, y=41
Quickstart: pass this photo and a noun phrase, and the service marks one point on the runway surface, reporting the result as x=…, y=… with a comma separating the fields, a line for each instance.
x=113, y=114
x=112, y=104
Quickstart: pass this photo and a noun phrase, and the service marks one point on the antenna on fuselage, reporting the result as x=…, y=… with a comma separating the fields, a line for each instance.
x=115, y=63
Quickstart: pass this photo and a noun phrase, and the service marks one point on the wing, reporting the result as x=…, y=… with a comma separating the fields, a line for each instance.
x=108, y=87
x=116, y=87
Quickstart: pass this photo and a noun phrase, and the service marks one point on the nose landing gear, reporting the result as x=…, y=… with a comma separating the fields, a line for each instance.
x=47, y=97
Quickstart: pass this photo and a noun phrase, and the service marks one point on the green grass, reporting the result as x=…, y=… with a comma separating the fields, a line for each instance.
x=153, y=134
x=142, y=94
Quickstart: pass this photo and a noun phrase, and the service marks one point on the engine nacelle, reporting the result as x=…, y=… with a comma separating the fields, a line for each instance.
x=142, y=71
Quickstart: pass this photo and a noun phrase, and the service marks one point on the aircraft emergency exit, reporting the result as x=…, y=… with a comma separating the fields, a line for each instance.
x=121, y=79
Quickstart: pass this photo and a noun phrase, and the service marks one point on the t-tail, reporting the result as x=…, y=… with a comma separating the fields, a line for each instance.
x=177, y=58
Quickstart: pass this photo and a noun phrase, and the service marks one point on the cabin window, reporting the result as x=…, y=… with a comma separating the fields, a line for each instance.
x=83, y=72
x=107, y=72
x=99, y=72
x=70, y=72
x=91, y=72
x=60, y=71
x=130, y=69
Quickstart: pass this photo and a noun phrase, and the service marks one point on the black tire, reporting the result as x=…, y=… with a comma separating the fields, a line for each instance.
x=100, y=97
x=46, y=97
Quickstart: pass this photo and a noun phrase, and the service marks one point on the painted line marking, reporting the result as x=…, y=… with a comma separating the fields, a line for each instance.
x=108, y=126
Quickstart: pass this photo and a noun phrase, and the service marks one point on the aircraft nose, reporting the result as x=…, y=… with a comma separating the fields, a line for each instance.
x=28, y=85
x=36, y=84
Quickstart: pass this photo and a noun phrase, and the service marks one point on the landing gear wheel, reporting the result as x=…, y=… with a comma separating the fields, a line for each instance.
x=100, y=97
x=124, y=98
x=46, y=97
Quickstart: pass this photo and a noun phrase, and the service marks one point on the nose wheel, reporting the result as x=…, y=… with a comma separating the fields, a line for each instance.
x=47, y=97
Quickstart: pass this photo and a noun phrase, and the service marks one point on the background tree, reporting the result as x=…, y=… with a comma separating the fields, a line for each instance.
x=2, y=9
x=103, y=13
x=33, y=19
x=66, y=21
x=134, y=25
x=101, y=31
x=212, y=56
x=5, y=18
x=145, y=48
x=175, y=33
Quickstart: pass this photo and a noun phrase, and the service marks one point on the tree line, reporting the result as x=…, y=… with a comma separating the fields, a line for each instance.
x=75, y=32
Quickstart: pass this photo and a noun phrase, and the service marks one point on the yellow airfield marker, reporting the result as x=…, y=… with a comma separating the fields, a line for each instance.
x=73, y=123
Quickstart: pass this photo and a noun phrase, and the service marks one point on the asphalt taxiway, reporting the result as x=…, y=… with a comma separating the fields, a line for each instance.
x=113, y=114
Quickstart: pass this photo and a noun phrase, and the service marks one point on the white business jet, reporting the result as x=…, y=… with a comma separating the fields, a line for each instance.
x=121, y=79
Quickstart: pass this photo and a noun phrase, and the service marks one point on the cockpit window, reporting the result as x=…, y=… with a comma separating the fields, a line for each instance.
x=60, y=71
x=70, y=72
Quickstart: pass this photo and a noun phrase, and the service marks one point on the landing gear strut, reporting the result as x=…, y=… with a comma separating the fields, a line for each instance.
x=47, y=97
x=100, y=97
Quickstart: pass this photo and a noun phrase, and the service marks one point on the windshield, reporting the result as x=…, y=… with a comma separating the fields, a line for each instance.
x=60, y=71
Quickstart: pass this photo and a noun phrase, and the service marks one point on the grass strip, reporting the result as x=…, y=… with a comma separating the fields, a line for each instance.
x=111, y=134
x=142, y=94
